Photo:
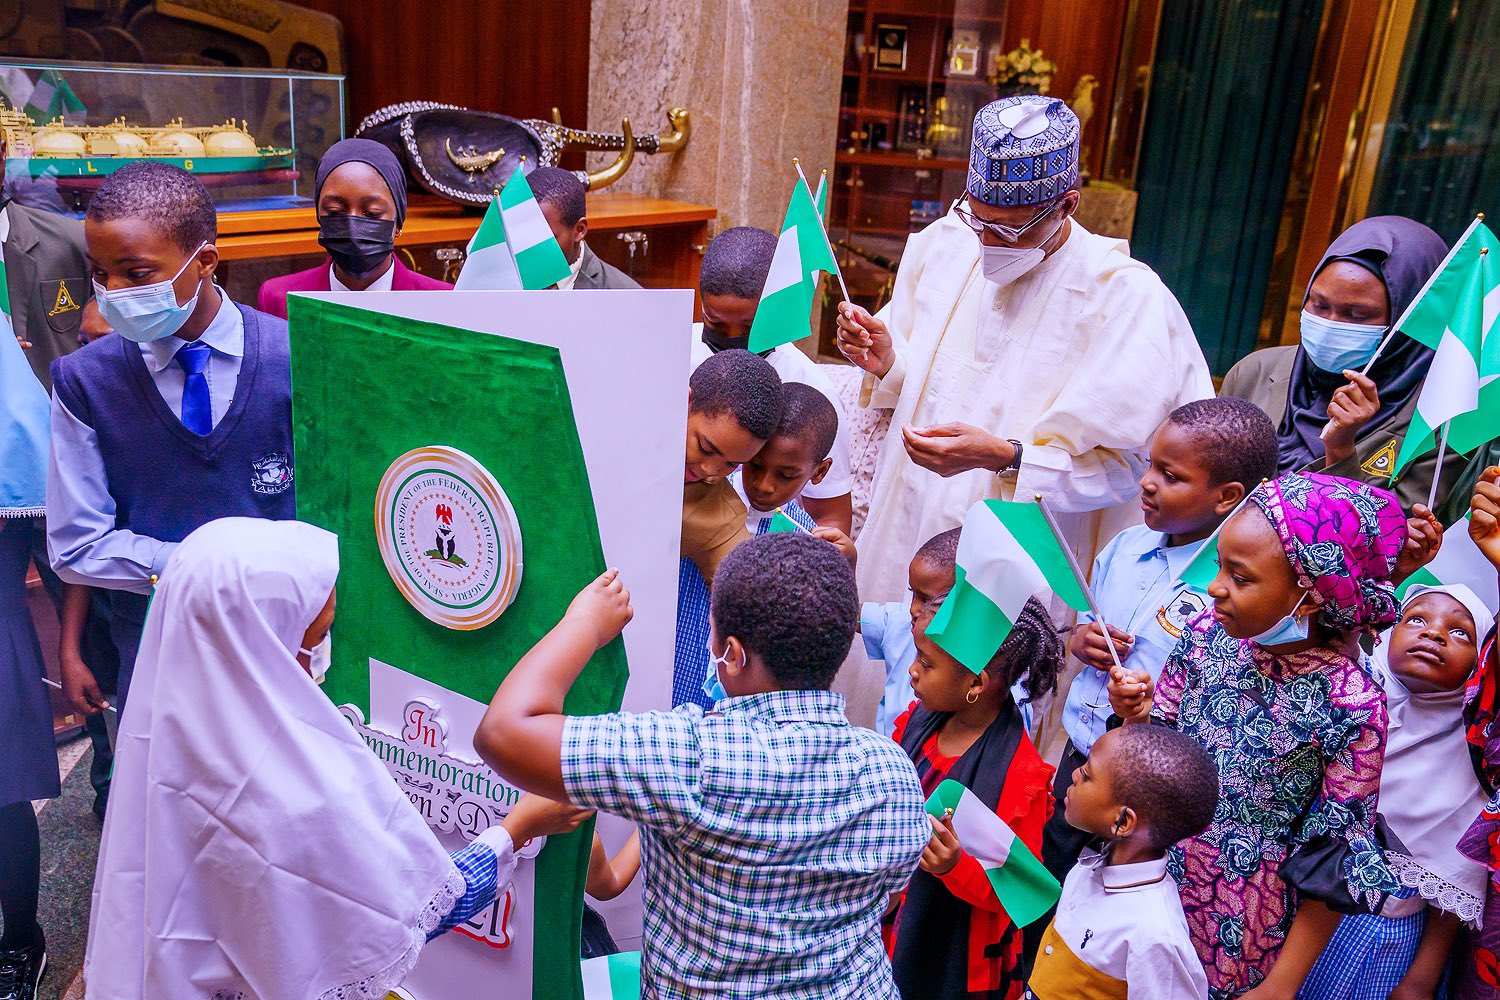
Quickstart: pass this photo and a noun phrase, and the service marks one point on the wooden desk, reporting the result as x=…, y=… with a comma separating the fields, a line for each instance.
x=669, y=235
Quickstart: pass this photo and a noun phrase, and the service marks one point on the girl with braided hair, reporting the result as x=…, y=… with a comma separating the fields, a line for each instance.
x=949, y=937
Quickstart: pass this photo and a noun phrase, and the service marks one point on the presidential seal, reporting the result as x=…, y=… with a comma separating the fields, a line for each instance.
x=449, y=537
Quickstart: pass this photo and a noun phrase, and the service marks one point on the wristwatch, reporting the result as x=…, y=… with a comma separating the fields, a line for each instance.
x=1015, y=462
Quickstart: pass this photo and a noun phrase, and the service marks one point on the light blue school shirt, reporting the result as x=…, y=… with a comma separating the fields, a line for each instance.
x=1135, y=582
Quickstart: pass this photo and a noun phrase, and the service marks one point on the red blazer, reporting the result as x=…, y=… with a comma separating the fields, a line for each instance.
x=273, y=292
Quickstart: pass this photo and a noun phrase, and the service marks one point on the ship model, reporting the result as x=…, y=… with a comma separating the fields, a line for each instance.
x=79, y=157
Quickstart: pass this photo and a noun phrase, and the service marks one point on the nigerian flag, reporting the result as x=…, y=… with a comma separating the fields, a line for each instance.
x=613, y=977
x=1022, y=885
x=1007, y=552
x=785, y=310
x=780, y=522
x=1455, y=315
x=1458, y=560
x=513, y=247
x=52, y=97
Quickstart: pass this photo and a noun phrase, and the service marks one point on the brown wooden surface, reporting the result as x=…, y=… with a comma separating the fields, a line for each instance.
x=516, y=58
x=288, y=232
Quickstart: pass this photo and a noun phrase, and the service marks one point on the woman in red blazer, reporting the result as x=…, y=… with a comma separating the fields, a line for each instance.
x=361, y=199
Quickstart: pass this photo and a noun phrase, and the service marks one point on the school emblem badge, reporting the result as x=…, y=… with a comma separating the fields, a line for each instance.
x=449, y=537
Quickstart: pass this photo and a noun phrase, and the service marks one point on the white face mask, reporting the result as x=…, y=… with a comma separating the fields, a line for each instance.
x=712, y=686
x=319, y=658
x=1002, y=265
x=147, y=312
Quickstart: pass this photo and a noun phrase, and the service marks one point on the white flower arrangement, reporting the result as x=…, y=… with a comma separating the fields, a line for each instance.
x=1024, y=66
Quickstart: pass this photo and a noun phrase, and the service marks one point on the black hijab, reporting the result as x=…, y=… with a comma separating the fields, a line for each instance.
x=1403, y=254
x=376, y=155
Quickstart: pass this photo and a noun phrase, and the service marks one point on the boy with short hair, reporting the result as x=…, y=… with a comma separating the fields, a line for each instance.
x=562, y=197
x=774, y=831
x=182, y=416
x=730, y=281
x=734, y=404
x=1205, y=458
x=1120, y=929
x=793, y=458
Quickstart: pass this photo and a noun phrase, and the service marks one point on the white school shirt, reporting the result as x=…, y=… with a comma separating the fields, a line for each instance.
x=794, y=366
x=384, y=283
x=1119, y=931
x=83, y=543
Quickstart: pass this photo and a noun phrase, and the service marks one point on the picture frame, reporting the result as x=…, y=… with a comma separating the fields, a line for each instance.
x=963, y=53
x=890, y=47
x=911, y=120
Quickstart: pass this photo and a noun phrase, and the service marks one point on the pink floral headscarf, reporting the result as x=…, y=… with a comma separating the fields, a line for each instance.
x=1342, y=539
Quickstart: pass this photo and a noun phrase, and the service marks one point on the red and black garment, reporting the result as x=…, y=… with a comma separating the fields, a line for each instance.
x=950, y=938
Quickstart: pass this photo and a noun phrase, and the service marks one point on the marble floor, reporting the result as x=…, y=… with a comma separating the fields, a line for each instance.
x=70, y=848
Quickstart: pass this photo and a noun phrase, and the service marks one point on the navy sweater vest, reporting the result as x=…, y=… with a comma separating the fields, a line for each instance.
x=167, y=481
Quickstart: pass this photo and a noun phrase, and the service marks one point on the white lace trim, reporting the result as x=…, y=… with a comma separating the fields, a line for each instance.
x=1437, y=890
x=377, y=986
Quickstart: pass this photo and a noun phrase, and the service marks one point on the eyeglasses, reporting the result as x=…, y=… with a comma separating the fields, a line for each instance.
x=1005, y=234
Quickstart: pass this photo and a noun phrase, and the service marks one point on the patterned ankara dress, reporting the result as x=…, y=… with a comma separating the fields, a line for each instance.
x=1478, y=977
x=1298, y=741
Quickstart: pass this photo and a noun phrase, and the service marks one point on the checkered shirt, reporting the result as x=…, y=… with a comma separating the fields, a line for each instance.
x=690, y=664
x=773, y=834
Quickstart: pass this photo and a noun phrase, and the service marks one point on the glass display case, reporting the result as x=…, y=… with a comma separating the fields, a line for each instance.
x=253, y=137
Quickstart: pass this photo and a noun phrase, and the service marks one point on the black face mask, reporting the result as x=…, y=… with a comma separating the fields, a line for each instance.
x=357, y=245
x=718, y=341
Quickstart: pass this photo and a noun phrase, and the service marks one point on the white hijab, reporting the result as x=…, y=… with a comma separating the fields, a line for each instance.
x=1428, y=792
x=254, y=848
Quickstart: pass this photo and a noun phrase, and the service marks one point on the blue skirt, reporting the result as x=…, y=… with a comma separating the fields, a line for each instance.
x=1366, y=959
x=27, y=750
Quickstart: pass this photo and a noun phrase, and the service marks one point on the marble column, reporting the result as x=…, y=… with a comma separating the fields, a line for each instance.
x=760, y=78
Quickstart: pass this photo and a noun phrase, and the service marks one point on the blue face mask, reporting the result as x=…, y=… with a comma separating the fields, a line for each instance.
x=147, y=312
x=1336, y=347
x=712, y=686
x=1286, y=631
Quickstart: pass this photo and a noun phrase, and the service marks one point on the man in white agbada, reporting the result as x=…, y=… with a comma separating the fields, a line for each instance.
x=254, y=847
x=1021, y=354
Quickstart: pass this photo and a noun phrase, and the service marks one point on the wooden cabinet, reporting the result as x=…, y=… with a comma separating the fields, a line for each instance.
x=667, y=238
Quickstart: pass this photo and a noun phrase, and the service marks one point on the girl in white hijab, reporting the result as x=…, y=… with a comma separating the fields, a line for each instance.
x=254, y=848
x=1429, y=795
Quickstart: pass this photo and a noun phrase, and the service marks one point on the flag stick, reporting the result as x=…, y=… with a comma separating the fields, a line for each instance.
x=1088, y=592
x=1442, y=447
x=823, y=227
x=1427, y=286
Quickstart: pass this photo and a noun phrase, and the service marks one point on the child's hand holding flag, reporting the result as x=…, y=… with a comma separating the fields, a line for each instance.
x=1130, y=694
x=1484, y=515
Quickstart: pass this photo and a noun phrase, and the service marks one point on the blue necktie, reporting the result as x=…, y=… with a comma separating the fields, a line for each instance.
x=197, y=411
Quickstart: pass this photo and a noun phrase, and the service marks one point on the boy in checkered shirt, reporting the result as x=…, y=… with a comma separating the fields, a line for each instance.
x=773, y=831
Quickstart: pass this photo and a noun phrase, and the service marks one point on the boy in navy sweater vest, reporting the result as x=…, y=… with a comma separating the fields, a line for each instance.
x=182, y=416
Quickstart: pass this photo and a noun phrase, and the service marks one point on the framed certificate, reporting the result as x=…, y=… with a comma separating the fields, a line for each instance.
x=890, y=47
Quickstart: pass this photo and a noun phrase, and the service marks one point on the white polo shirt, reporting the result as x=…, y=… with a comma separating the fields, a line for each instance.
x=1119, y=932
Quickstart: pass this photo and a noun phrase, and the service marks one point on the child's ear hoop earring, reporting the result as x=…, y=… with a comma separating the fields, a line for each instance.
x=972, y=696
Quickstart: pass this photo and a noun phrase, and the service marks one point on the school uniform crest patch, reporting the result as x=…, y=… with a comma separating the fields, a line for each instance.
x=272, y=474
x=1381, y=464
x=1183, y=607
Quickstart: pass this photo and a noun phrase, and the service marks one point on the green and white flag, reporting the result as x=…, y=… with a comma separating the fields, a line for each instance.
x=1022, y=885
x=613, y=977
x=820, y=199
x=780, y=522
x=513, y=246
x=1007, y=552
x=52, y=96
x=1455, y=316
x=1459, y=560
x=785, y=310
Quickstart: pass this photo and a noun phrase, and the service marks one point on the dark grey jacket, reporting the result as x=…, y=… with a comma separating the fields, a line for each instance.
x=47, y=275
x=594, y=273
